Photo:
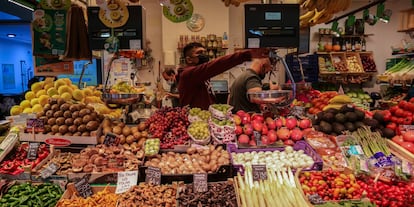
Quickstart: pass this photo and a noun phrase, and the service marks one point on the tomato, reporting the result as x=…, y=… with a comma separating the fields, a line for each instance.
x=400, y=120
x=387, y=115
x=408, y=114
x=394, y=119
x=408, y=120
x=408, y=146
x=399, y=112
x=402, y=104
x=393, y=109
x=391, y=125
x=408, y=136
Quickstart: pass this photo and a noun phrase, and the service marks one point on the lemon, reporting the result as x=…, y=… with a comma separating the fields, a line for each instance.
x=67, y=96
x=56, y=96
x=43, y=99
x=78, y=94
x=27, y=111
x=87, y=92
x=52, y=91
x=37, y=108
x=41, y=92
x=48, y=85
x=64, y=89
x=25, y=104
x=59, y=82
x=36, y=87
x=34, y=101
x=16, y=110
x=29, y=95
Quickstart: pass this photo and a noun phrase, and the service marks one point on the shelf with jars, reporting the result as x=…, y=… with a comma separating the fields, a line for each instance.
x=215, y=45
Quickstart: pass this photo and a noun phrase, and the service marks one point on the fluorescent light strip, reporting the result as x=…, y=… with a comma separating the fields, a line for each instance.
x=21, y=5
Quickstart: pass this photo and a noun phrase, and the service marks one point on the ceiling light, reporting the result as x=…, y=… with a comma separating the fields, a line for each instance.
x=383, y=14
x=11, y=35
x=21, y=5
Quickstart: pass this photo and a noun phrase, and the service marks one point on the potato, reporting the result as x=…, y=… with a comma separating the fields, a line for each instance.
x=117, y=130
x=191, y=150
x=130, y=139
x=126, y=131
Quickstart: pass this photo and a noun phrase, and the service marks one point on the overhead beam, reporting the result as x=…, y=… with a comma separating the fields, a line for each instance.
x=356, y=10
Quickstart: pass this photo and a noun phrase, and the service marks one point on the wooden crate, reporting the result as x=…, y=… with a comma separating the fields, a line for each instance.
x=367, y=61
x=324, y=62
x=353, y=62
x=339, y=61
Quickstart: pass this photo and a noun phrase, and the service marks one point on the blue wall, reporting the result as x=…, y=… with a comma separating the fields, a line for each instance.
x=19, y=54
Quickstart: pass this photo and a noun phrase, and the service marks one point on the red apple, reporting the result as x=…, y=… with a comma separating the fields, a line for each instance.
x=272, y=136
x=258, y=117
x=246, y=118
x=238, y=130
x=265, y=130
x=252, y=142
x=296, y=134
x=271, y=123
x=279, y=122
x=257, y=125
x=291, y=122
x=289, y=142
x=240, y=113
x=243, y=139
x=283, y=133
x=305, y=123
x=248, y=129
x=264, y=139
x=237, y=119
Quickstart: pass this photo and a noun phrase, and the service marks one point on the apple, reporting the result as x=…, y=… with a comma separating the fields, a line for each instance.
x=279, y=122
x=265, y=130
x=296, y=134
x=289, y=142
x=237, y=119
x=246, y=119
x=283, y=133
x=240, y=113
x=257, y=125
x=291, y=122
x=271, y=123
x=305, y=123
x=272, y=136
x=258, y=117
x=264, y=139
x=252, y=142
x=248, y=129
x=243, y=139
x=238, y=130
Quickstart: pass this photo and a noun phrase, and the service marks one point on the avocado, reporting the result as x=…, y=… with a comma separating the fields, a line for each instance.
x=346, y=108
x=388, y=133
x=314, y=120
x=332, y=110
x=378, y=116
x=326, y=127
x=319, y=116
x=350, y=126
x=360, y=115
x=338, y=128
x=317, y=127
x=359, y=124
x=351, y=116
x=373, y=123
x=340, y=118
x=328, y=116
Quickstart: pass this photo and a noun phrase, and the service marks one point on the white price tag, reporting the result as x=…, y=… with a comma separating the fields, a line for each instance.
x=126, y=180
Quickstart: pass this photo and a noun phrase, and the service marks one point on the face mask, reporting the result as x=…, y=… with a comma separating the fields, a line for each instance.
x=170, y=82
x=202, y=59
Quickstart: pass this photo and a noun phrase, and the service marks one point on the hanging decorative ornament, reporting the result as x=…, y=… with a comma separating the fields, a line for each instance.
x=177, y=10
x=113, y=14
x=196, y=23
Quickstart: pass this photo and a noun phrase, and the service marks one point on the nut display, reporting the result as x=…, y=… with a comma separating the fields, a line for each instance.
x=339, y=64
x=149, y=195
x=218, y=194
x=129, y=136
x=104, y=158
x=368, y=63
x=201, y=160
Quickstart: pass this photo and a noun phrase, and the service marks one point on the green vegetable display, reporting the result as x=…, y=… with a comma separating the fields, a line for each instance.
x=29, y=195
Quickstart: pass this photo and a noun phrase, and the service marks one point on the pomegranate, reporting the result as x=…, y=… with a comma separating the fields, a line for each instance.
x=257, y=125
x=238, y=130
x=271, y=123
x=264, y=139
x=265, y=130
x=296, y=134
x=283, y=133
x=248, y=129
x=291, y=122
x=279, y=122
x=258, y=117
x=272, y=136
x=305, y=123
x=252, y=142
x=289, y=142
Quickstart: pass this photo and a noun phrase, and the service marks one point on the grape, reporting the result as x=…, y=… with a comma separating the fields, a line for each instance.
x=221, y=107
x=199, y=130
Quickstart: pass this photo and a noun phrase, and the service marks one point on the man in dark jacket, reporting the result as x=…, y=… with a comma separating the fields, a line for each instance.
x=194, y=85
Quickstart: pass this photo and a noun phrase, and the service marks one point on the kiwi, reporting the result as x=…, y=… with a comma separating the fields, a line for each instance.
x=60, y=101
x=86, y=119
x=52, y=101
x=67, y=114
x=74, y=107
x=82, y=128
x=63, y=129
x=40, y=114
x=84, y=112
x=73, y=128
x=64, y=107
x=69, y=121
x=55, y=107
x=75, y=114
x=78, y=121
x=60, y=121
x=77, y=133
x=51, y=121
x=47, y=107
x=92, y=125
x=86, y=134
x=55, y=129
x=58, y=114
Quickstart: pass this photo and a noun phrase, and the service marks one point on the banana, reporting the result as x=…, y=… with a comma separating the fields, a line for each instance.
x=324, y=18
x=335, y=106
x=315, y=17
x=340, y=99
x=310, y=4
x=307, y=15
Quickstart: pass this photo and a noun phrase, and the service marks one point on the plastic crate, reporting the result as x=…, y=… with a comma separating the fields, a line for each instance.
x=300, y=145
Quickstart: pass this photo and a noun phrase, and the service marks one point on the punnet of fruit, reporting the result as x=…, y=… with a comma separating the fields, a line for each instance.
x=220, y=111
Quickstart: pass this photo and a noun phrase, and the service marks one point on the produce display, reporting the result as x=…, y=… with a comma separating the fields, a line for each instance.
x=368, y=63
x=197, y=114
x=401, y=73
x=201, y=160
x=149, y=195
x=103, y=198
x=218, y=194
x=353, y=64
x=30, y=195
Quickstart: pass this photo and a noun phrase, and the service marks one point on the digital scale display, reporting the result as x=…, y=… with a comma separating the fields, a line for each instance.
x=273, y=16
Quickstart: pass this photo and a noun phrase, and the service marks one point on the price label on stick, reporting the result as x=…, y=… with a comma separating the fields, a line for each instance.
x=200, y=182
x=111, y=139
x=32, y=151
x=259, y=172
x=83, y=187
x=49, y=170
x=153, y=175
x=126, y=180
x=35, y=124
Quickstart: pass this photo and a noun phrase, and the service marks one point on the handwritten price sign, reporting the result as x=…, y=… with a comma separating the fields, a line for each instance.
x=200, y=182
x=259, y=172
x=126, y=180
x=153, y=175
